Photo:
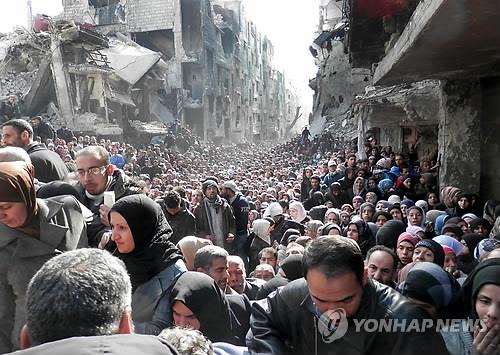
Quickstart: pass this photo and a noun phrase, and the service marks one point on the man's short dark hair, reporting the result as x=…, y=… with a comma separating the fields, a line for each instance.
x=78, y=293
x=386, y=250
x=268, y=250
x=315, y=177
x=20, y=126
x=205, y=256
x=333, y=256
x=172, y=199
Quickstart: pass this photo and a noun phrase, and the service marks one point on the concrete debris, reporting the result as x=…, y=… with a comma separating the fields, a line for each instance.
x=154, y=128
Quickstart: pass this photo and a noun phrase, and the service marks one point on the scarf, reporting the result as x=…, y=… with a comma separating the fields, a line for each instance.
x=17, y=185
x=153, y=250
x=200, y=293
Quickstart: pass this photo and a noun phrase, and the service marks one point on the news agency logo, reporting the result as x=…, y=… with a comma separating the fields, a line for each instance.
x=332, y=325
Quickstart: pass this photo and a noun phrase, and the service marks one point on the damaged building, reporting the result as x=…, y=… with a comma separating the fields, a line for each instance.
x=129, y=67
x=418, y=75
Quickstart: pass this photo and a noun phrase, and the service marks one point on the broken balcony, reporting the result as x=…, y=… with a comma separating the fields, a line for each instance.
x=445, y=39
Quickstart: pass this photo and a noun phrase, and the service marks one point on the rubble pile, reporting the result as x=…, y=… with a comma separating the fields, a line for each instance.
x=16, y=83
x=20, y=55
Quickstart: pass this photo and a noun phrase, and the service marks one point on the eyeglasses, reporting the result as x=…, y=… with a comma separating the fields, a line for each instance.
x=97, y=170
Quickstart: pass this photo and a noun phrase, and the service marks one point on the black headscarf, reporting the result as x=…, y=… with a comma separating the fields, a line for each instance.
x=472, y=240
x=292, y=267
x=480, y=221
x=200, y=293
x=486, y=272
x=389, y=233
x=365, y=237
x=153, y=250
x=436, y=249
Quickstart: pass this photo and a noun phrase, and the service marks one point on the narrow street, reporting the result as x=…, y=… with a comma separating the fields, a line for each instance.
x=214, y=177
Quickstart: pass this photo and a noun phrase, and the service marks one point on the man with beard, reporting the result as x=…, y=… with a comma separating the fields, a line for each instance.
x=96, y=175
x=214, y=217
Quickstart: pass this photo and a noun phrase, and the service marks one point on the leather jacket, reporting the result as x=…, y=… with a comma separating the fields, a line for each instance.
x=287, y=323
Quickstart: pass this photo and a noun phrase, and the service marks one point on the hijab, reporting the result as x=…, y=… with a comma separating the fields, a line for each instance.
x=427, y=282
x=365, y=236
x=189, y=246
x=388, y=234
x=153, y=250
x=446, y=240
x=292, y=267
x=486, y=272
x=17, y=185
x=436, y=249
x=200, y=293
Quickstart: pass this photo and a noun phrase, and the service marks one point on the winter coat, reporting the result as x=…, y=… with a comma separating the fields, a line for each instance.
x=286, y=322
x=151, y=309
x=183, y=224
x=241, y=208
x=48, y=164
x=62, y=228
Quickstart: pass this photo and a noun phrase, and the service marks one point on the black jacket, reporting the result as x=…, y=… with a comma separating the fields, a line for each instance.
x=240, y=210
x=285, y=323
x=48, y=164
x=183, y=224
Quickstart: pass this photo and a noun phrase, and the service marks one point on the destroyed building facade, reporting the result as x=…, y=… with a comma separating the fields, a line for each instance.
x=419, y=75
x=208, y=67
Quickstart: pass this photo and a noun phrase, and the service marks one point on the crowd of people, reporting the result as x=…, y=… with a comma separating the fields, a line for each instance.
x=235, y=249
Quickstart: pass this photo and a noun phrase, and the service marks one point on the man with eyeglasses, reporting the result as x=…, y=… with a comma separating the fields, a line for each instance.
x=96, y=175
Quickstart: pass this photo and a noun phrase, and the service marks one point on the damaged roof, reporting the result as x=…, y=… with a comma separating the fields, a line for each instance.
x=130, y=62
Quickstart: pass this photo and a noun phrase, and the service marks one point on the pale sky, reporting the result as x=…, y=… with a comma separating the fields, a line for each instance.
x=289, y=24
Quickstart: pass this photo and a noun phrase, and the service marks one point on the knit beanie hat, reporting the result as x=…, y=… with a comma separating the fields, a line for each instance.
x=436, y=249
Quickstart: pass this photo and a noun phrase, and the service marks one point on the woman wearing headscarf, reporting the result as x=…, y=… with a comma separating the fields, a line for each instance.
x=462, y=205
x=297, y=212
x=366, y=211
x=189, y=246
x=262, y=239
x=388, y=234
x=359, y=188
x=429, y=250
x=359, y=231
x=489, y=210
x=416, y=216
x=405, y=248
x=198, y=303
x=337, y=196
x=436, y=291
x=466, y=261
x=32, y=231
x=480, y=295
x=141, y=239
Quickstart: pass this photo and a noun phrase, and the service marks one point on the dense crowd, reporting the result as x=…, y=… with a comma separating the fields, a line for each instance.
x=250, y=245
